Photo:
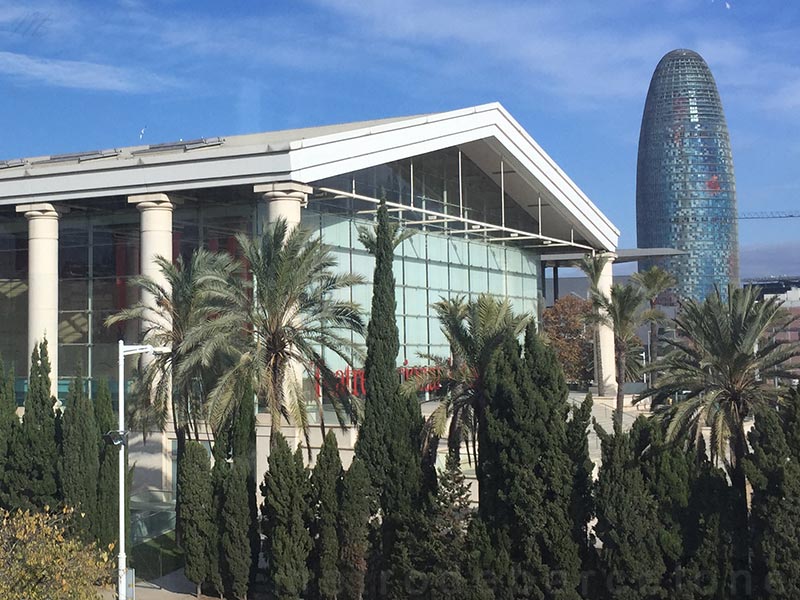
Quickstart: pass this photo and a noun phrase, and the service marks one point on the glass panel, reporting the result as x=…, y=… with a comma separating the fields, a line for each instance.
x=497, y=258
x=104, y=358
x=515, y=284
x=477, y=254
x=439, y=276
x=72, y=359
x=416, y=330
x=416, y=272
x=336, y=231
x=458, y=252
x=479, y=282
x=416, y=301
x=437, y=336
x=73, y=261
x=459, y=278
x=362, y=294
x=497, y=282
x=73, y=327
x=413, y=247
x=109, y=335
x=73, y=294
x=363, y=264
x=412, y=355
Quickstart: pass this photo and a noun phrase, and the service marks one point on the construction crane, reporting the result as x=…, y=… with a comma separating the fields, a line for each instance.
x=769, y=215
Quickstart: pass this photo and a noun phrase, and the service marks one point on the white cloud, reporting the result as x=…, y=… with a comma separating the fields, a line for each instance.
x=80, y=74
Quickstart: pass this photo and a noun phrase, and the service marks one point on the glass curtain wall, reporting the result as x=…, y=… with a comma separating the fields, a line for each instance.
x=443, y=259
x=14, y=296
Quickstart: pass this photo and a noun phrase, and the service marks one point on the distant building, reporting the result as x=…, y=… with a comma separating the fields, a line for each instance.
x=787, y=290
x=685, y=188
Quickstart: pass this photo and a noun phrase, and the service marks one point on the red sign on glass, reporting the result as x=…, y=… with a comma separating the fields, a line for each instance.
x=354, y=380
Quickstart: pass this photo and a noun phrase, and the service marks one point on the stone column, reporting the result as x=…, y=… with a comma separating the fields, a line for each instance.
x=43, y=281
x=284, y=199
x=155, y=227
x=606, y=333
x=156, y=238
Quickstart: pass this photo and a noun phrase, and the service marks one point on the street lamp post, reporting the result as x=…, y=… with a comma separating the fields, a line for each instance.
x=121, y=441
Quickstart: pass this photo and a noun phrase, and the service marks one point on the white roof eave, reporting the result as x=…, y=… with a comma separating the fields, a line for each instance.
x=262, y=158
x=320, y=158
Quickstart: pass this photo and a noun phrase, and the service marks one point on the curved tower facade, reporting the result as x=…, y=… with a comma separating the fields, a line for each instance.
x=685, y=187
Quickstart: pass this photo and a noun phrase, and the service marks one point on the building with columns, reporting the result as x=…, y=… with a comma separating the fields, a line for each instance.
x=487, y=203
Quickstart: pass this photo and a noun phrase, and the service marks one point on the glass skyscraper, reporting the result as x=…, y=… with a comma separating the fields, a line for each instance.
x=685, y=187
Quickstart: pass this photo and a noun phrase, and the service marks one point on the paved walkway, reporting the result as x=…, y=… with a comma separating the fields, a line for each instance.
x=603, y=408
x=170, y=587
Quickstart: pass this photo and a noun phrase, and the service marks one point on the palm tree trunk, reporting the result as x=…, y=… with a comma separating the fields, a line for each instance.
x=598, y=363
x=274, y=428
x=621, y=354
x=180, y=435
x=741, y=511
x=454, y=435
x=278, y=390
x=653, y=341
x=653, y=349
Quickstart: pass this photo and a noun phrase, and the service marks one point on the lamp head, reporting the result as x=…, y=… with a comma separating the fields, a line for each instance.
x=116, y=438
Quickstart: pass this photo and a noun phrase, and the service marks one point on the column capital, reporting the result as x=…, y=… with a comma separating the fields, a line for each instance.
x=148, y=201
x=285, y=200
x=41, y=210
x=284, y=190
x=611, y=256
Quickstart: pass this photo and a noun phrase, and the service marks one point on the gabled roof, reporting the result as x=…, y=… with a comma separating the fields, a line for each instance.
x=484, y=133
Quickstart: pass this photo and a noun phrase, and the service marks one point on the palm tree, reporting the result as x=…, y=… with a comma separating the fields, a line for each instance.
x=592, y=265
x=721, y=363
x=280, y=325
x=175, y=384
x=474, y=331
x=653, y=282
x=620, y=311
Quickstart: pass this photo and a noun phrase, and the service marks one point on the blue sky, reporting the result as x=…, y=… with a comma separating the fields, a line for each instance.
x=573, y=72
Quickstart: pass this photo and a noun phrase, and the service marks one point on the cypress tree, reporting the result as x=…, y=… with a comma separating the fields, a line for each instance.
x=479, y=562
x=9, y=424
x=287, y=542
x=243, y=449
x=707, y=539
x=388, y=441
x=80, y=461
x=194, y=482
x=505, y=487
x=445, y=543
x=631, y=562
x=325, y=511
x=235, y=541
x=452, y=507
x=666, y=471
x=546, y=373
x=775, y=513
x=526, y=471
x=581, y=503
x=31, y=468
x=107, y=517
x=218, y=575
x=560, y=553
x=353, y=527
x=790, y=412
